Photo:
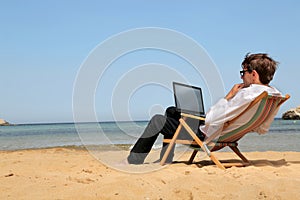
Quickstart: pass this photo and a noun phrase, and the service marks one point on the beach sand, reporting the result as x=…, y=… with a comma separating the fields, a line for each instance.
x=70, y=173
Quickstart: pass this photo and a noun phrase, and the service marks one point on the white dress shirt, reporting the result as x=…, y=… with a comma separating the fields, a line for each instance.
x=225, y=110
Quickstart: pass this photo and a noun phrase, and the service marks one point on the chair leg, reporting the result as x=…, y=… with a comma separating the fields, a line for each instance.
x=216, y=161
x=171, y=144
x=237, y=151
x=193, y=156
x=203, y=146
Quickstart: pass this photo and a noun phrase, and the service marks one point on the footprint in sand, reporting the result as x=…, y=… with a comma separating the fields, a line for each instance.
x=81, y=180
x=8, y=175
x=87, y=171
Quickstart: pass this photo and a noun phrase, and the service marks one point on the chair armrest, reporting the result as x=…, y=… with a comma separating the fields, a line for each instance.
x=193, y=116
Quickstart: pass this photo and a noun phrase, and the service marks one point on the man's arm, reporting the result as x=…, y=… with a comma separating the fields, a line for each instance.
x=234, y=90
x=226, y=109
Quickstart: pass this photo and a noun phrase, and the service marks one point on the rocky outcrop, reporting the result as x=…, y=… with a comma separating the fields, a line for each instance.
x=293, y=113
x=3, y=122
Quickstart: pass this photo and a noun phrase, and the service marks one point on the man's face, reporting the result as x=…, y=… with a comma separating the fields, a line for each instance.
x=247, y=77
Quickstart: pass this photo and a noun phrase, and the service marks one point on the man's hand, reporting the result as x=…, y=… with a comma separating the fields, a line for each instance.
x=234, y=90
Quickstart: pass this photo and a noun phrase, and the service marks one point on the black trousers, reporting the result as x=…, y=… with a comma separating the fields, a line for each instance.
x=166, y=125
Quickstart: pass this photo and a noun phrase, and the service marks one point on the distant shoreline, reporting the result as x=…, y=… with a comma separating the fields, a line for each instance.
x=104, y=147
x=52, y=123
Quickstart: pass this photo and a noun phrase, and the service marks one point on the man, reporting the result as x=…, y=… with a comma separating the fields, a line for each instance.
x=258, y=71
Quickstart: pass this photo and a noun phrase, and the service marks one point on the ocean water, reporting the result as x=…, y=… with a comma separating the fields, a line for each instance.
x=284, y=135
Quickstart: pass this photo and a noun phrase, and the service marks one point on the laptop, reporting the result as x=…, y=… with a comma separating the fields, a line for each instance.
x=188, y=99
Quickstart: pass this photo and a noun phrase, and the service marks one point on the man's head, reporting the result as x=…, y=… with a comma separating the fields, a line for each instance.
x=258, y=68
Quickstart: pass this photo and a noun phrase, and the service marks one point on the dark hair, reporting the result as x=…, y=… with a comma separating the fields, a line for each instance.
x=264, y=65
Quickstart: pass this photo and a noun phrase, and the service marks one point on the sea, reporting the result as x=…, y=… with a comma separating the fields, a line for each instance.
x=284, y=135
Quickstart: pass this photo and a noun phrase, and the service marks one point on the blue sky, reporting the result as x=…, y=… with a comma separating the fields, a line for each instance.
x=44, y=44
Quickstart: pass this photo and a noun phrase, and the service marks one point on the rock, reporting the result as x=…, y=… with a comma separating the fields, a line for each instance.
x=3, y=122
x=293, y=113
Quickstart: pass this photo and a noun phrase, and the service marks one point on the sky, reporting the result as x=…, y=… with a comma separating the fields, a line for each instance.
x=45, y=44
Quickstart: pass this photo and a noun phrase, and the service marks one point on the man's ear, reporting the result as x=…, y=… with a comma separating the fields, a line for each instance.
x=255, y=76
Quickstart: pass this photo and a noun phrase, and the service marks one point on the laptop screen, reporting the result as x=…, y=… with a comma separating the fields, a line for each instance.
x=188, y=99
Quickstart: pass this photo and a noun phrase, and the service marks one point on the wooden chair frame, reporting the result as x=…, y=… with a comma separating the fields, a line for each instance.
x=267, y=105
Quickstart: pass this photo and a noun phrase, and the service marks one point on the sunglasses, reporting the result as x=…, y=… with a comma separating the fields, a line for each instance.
x=242, y=73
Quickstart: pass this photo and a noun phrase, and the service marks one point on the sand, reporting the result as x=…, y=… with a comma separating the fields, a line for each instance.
x=69, y=173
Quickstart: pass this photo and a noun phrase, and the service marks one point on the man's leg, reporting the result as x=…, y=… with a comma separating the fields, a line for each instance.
x=172, y=112
x=158, y=124
x=168, y=133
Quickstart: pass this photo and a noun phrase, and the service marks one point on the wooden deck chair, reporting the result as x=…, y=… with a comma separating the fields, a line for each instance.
x=265, y=106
